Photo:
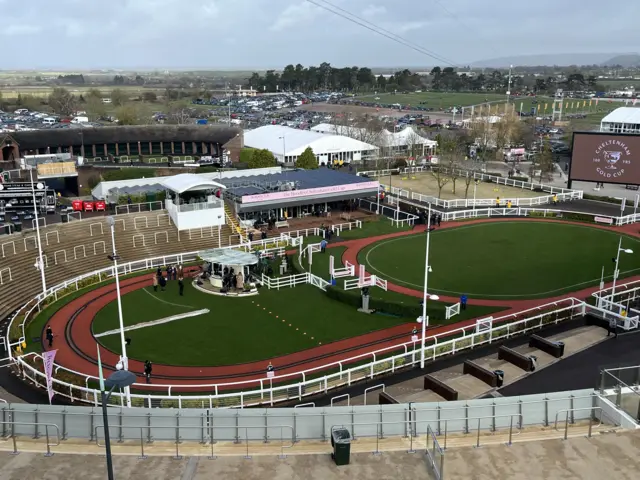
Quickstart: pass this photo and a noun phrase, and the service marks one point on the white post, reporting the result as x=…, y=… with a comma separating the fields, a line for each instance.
x=125, y=360
x=378, y=200
x=602, y=279
x=425, y=319
x=616, y=270
x=475, y=187
x=35, y=213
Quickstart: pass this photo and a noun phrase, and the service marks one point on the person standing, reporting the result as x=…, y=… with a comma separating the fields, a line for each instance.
x=323, y=245
x=155, y=283
x=270, y=368
x=49, y=335
x=148, y=368
x=438, y=219
x=463, y=302
x=181, y=285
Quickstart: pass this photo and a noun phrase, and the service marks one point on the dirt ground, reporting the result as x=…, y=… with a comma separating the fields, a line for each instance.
x=426, y=184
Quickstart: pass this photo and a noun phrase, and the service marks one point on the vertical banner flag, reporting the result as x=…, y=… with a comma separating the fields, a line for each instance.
x=545, y=106
x=584, y=103
x=47, y=359
x=597, y=102
x=521, y=106
x=635, y=204
x=590, y=100
x=623, y=204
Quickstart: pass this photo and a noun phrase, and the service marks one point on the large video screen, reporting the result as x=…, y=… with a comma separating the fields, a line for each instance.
x=606, y=157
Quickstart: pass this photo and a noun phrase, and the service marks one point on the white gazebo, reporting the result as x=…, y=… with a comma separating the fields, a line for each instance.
x=194, y=202
x=227, y=271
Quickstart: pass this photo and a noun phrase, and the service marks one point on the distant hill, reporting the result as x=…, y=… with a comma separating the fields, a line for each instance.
x=629, y=60
x=560, y=59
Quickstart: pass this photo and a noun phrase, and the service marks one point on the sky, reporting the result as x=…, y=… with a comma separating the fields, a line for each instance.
x=258, y=34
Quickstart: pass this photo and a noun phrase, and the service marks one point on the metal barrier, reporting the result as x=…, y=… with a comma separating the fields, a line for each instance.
x=55, y=232
x=104, y=247
x=367, y=390
x=155, y=236
x=301, y=405
x=99, y=224
x=35, y=424
x=434, y=453
x=571, y=410
x=13, y=245
x=35, y=242
x=211, y=437
x=84, y=252
x=55, y=256
x=139, y=236
x=4, y=270
x=346, y=395
x=135, y=222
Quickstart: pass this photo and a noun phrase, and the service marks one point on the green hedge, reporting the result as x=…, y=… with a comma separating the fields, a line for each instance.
x=354, y=298
x=520, y=179
x=578, y=217
x=587, y=196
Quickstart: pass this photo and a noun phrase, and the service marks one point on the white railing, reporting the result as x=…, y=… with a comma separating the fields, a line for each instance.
x=563, y=194
x=139, y=207
x=515, y=212
x=299, y=385
x=293, y=280
x=194, y=207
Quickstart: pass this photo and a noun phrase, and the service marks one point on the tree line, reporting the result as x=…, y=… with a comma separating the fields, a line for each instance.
x=356, y=79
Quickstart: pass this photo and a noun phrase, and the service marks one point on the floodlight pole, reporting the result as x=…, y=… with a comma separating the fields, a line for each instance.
x=125, y=360
x=425, y=319
x=40, y=259
x=616, y=269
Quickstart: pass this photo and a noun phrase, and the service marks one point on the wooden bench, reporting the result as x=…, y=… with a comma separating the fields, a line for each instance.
x=386, y=399
x=282, y=224
x=442, y=389
x=519, y=360
x=554, y=349
x=481, y=373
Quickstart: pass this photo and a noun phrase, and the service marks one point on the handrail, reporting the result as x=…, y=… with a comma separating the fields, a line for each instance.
x=211, y=436
x=438, y=470
x=344, y=395
x=376, y=387
x=35, y=424
x=571, y=410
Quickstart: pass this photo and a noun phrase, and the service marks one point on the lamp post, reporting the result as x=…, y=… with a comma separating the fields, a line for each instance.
x=616, y=271
x=118, y=379
x=40, y=262
x=114, y=257
x=424, y=319
x=475, y=187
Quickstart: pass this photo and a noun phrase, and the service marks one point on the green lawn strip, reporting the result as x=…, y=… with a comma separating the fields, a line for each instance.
x=33, y=330
x=506, y=260
x=389, y=302
x=240, y=330
x=372, y=228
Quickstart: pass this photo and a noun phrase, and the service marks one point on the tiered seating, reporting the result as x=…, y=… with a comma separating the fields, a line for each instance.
x=82, y=246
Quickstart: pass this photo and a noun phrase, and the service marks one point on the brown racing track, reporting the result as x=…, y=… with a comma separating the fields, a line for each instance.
x=77, y=345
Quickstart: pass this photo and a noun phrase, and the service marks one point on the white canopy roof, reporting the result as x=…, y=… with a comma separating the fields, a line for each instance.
x=278, y=139
x=189, y=182
x=407, y=136
x=227, y=256
x=630, y=115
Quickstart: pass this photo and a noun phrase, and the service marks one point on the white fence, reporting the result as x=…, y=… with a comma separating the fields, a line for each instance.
x=452, y=310
x=293, y=280
x=562, y=193
x=300, y=384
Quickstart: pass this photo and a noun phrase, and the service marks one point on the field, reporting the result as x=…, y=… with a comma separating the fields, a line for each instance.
x=237, y=330
x=41, y=92
x=503, y=260
x=426, y=184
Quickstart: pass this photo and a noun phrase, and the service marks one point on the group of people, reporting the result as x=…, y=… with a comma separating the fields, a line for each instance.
x=174, y=272
x=263, y=234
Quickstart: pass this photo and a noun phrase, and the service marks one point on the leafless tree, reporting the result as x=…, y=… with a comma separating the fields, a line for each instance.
x=180, y=116
x=441, y=176
x=469, y=179
x=62, y=101
x=543, y=167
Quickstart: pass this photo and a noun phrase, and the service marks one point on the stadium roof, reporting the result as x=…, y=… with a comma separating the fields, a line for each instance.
x=278, y=139
x=322, y=177
x=226, y=256
x=623, y=115
x=189, y=182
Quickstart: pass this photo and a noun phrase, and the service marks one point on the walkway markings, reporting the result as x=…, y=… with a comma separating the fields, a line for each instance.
x=283, y=320
x=172, y=318
x=164, y=301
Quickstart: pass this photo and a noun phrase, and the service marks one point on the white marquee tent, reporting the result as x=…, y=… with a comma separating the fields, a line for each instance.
x=287, y=144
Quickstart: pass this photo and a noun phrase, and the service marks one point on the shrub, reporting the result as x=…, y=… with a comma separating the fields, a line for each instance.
x=520, y=179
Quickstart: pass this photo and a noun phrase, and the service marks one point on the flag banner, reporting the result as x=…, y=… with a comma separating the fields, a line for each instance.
x=635, y=204
x=590, y=101
x=597, y=101
x=47, y=360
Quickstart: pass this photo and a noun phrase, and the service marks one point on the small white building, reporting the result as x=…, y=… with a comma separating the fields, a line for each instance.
x=622, y=120
x=192, y=201
x=287, y=144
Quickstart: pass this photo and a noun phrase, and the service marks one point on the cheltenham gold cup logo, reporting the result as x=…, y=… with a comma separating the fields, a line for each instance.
x=611, y=157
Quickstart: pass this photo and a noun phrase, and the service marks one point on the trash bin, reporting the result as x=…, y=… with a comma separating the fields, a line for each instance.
x=499, y=377
x=561, y=345
x=341, y=443
x=534, y=362
x=7, y=228
x=17, y=226
x=64, y=217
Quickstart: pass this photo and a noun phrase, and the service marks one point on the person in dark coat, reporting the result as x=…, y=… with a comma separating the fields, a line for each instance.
x=181, y=285
x=148, y=368
x=163, y=283
x=49, y=335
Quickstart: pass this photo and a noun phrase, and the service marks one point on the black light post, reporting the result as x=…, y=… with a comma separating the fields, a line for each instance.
x=118, y=379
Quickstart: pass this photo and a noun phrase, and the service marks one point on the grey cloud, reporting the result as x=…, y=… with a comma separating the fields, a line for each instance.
x=273, y=33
